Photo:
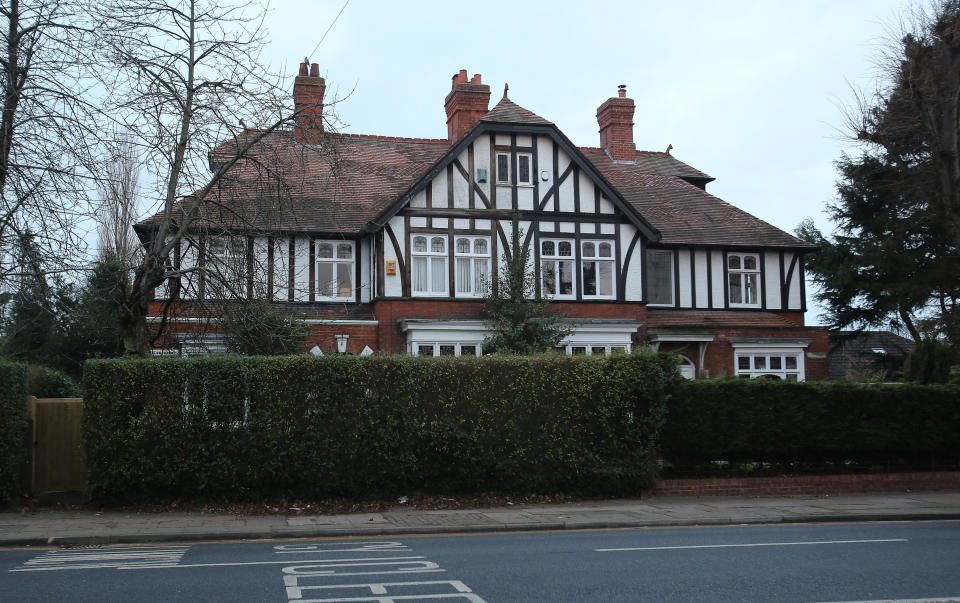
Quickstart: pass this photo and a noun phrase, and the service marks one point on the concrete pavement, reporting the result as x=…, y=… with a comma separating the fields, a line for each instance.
x=42, y=528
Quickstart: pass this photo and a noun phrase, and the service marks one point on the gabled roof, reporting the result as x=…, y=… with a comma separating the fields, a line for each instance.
x=336, y=187
x=509, y=112
x=354, y=183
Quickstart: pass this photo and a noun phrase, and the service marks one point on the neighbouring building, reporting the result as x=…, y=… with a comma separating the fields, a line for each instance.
x=867, y=355
x=386, y=244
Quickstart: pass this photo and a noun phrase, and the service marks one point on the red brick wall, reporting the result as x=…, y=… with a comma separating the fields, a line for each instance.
x=810, y=484
x=719, y=358
x=389, y=312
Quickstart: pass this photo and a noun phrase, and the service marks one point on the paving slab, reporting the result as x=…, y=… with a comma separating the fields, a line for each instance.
x=46, y=528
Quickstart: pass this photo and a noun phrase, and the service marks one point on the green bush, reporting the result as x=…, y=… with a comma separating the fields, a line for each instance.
x=45, y=382
x=928, y=362
x=246, y=428
x=13, y=427
x=812, y=425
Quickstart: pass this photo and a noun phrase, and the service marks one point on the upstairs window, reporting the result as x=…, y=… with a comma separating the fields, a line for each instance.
x=556, y=268
x=335, y=269
x=597, y=268
x=503, y=168
x=660, y=277
x=524, y=168
x=429, y=265
x=743, y=279
x=472, y=261
x=226, y=267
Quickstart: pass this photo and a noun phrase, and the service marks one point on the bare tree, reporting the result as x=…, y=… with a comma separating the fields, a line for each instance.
x=118, y=209
x=47, y=128
x=186, y=76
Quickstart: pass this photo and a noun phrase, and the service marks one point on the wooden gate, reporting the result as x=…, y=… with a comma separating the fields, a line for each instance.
x=57, y=461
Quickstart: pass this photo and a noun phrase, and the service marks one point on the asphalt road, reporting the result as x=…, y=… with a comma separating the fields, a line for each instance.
x=825, y=562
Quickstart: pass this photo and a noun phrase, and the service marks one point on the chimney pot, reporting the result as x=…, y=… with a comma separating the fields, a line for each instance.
x=308, y=91
x=622, y=90
x=466, y=104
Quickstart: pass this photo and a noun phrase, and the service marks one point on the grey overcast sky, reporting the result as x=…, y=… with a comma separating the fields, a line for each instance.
x=750, y=92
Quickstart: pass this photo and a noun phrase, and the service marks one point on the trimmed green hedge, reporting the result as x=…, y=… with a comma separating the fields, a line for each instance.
x=13, y=427
x=246, y=428
x=812, y=424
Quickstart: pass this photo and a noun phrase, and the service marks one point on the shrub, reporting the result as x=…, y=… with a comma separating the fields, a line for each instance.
x=13, y=427
x=242, y=428
x=812, y=424
x=45, y=382
x=928, y=362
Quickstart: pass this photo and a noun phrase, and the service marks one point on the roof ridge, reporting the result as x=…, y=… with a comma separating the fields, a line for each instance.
x=392, y=138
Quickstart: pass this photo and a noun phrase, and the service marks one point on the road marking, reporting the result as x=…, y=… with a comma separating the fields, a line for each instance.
x=729, y=546
x=953, y=599
x=284, y=562
x=71, y=559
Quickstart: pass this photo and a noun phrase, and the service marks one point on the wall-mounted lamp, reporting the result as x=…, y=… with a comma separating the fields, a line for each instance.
x=342, y=343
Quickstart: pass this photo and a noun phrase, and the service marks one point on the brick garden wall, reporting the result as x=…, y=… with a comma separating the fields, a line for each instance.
x=810, y=484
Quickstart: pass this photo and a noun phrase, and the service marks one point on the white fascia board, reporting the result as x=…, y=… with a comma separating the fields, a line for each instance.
x=660, y=337
x=309, y=321
x=768, y=344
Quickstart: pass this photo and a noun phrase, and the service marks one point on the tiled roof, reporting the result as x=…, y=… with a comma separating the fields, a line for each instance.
x=852, y=353
x=341, y=185
x=665, y=319
x=683, y=212
x=336, y=187
x=509, y=112
x=651, y=162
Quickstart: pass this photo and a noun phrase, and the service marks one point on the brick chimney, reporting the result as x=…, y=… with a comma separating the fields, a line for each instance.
x=466, y=104
x=308, y=103
x=615, y=117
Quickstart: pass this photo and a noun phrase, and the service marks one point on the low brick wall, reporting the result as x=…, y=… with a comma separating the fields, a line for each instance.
x=810, y=484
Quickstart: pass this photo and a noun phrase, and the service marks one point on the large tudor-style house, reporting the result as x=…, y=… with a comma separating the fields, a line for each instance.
x=386, y=244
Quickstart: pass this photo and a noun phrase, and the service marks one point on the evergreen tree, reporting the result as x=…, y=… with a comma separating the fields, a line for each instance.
x=515, y=310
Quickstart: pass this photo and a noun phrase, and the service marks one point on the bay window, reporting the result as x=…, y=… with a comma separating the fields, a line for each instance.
x=429, y=265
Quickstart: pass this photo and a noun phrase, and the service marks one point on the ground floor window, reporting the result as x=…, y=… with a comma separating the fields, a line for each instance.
x=446, y=349
x=598, y=349
x=687, y=369
x=787, y=366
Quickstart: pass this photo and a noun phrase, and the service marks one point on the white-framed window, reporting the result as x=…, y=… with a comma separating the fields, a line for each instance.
x=556, y=268
x=785, y=365
x=335, y=265
x=226, y=266
x=444, y=348
x=472, y=265
x=687, y=369
x=503, y=168
x=743, y=279
x=524, y=168
x=428, y=271
x=660, y=277
x=597, y=269
x=593, y=349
